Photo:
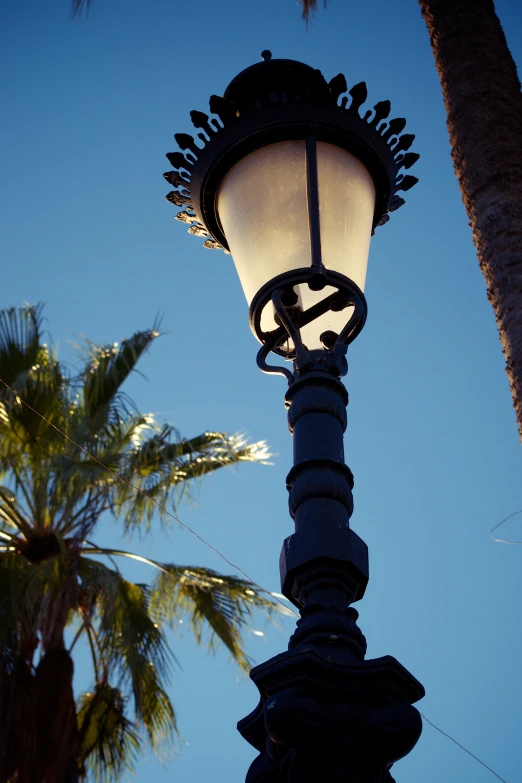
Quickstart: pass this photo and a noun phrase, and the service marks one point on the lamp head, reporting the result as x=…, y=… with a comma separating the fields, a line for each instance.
x=292, y=177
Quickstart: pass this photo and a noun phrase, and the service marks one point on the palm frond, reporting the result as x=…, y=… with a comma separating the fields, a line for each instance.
x=163, y=465
x=109, y=742
x=153, y=707
x=195, y=456
x=11, y=513
x=133, y=647
x=110, y=448
x=20, y=329
x=92, y=549
x=107, y=368
x=166, y=447
x=223, y=451
x=79, y=6
x=81, y=487
x=42, y=389
x=309, y=9
x=208, y=600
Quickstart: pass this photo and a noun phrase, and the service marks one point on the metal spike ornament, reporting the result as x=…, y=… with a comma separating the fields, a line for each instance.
x=275, y=100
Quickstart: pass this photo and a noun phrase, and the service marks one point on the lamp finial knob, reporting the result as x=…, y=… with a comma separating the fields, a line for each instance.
x=266, y=54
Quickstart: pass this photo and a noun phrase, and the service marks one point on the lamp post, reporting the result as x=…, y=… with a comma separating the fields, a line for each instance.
x=292, y=179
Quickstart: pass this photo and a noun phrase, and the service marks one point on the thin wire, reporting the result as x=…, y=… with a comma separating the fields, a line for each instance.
x=162, y=508
x=229, y=562
x=503, y=540
x=463, y=748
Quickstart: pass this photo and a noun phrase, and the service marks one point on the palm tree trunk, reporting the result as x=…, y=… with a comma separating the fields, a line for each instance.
x=58, y=746
x=58, y=738
x=484, y=111
x=18, y=724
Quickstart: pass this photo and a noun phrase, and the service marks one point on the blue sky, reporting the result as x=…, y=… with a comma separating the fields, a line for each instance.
x=89, y=111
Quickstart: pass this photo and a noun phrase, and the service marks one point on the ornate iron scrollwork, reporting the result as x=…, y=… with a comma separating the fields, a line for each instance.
x=286, y=340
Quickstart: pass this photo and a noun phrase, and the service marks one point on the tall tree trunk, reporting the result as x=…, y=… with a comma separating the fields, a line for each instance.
x=18, y=724
x=58, y=738
x=484, y=110
x=58, y=746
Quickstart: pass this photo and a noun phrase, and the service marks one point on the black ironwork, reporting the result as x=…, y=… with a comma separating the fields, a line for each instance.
x=278, y=100
x=325, y=713
x=347, y=295
x=312, y=185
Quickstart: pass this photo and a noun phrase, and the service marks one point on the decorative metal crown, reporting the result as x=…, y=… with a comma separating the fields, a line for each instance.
x=276, y=100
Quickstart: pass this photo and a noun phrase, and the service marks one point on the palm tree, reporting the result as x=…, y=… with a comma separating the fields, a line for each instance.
x=483, y=100
x=58, y=586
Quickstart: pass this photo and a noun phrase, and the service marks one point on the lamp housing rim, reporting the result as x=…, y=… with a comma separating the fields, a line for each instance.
x=280, y=100
x=243, y=138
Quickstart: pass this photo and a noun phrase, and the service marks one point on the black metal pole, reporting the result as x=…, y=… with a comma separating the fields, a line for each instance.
x=326, y=713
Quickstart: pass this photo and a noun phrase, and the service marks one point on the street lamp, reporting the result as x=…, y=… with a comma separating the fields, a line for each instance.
x=292, y=179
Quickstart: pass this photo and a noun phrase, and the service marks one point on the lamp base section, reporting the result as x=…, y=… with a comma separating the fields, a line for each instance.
x=325, y=716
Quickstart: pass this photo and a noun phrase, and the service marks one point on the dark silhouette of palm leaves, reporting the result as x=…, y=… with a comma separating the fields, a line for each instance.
x=54, y=589
x=309, y=8
x=78, y=7
x=208, y=600
x=109, y=742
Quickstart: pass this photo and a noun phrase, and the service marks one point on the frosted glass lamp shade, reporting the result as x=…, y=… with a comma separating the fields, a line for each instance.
x=263, y=207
